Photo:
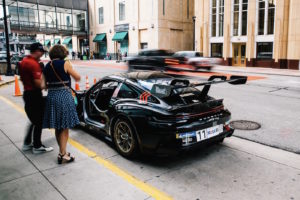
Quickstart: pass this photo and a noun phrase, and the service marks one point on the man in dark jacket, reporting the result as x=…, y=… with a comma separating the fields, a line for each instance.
x=31, y=76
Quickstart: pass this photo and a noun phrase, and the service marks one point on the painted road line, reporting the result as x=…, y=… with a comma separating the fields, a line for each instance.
x=150, y=190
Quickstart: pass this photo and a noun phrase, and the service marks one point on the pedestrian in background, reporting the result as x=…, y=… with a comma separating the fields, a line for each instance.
x=60, y=110
x=31, y=76
x=73, y=55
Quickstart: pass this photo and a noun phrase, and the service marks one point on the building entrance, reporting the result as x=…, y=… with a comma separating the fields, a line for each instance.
x=239, y=54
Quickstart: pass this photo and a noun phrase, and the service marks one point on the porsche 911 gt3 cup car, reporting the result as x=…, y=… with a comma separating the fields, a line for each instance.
x=152, y=112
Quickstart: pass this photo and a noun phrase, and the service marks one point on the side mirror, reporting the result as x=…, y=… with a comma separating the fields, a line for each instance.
x=238, y=80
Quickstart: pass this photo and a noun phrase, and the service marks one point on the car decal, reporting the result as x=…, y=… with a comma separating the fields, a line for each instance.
x=144, y=97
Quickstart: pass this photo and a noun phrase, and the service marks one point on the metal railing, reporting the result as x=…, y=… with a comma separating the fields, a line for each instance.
x=43, y=27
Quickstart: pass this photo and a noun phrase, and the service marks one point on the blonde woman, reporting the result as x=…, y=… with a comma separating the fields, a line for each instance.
x=60, y=111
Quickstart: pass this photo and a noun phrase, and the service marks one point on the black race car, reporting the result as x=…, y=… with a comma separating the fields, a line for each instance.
x=152, y=112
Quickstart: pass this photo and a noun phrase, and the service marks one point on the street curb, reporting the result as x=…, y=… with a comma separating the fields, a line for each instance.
x=6, y=83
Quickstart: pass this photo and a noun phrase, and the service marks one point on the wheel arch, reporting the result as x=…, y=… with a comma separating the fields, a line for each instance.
x=126, y=117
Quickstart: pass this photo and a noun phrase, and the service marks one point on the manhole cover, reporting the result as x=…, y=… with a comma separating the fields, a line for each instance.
x=245, y=125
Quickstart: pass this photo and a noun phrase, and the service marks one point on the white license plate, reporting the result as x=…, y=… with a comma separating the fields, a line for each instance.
x=209, y=132
x=197, y=136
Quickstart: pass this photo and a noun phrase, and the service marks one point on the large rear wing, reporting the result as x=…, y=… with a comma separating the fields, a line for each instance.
x=178, y=84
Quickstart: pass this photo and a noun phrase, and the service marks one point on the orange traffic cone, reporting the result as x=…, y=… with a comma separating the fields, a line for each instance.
x=77, y=86
x=87, y=84
x=17, y=87
x=95, y=80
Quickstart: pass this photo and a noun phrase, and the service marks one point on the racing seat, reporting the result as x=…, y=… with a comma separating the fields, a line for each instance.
x=103, y=98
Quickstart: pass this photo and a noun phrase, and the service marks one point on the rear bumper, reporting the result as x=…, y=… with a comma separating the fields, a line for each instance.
x=169, y=145
x=161, y=138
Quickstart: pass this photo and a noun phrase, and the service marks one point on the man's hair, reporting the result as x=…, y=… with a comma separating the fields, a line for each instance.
x=58, y=52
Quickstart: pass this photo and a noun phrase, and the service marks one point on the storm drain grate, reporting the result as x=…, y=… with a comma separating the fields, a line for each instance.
x=245, y=125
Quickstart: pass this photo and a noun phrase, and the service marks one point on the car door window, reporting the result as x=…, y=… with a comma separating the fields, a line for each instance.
x=101, y=95
x=105, y=94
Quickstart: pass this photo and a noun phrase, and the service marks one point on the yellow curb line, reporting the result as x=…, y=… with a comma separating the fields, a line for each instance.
x=150, y=190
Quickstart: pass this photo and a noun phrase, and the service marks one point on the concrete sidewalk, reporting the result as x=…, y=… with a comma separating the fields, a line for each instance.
x=24, y=175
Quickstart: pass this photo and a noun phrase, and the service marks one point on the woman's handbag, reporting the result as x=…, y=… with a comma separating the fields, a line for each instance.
x=71, y=89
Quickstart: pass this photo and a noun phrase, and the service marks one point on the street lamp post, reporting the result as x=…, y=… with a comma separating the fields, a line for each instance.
x=8, y=70
x=194, y=31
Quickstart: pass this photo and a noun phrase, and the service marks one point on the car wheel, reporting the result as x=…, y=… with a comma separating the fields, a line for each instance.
x=125, y=138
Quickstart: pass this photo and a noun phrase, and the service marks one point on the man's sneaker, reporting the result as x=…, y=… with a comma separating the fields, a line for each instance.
x=27, y=147
x=42, y=149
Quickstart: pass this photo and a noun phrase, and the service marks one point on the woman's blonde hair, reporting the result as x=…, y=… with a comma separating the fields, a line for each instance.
x=58, y=52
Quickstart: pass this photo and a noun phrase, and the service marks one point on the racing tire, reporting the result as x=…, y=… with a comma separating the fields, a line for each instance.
x=125, y=139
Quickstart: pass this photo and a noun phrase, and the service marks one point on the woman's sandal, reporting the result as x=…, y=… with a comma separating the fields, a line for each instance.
x=61, y=159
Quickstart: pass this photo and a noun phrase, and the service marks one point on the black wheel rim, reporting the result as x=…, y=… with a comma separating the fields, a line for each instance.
x=123, y=137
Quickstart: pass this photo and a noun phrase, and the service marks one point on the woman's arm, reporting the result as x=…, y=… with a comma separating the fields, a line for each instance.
x=43, y=82
x=69, y=69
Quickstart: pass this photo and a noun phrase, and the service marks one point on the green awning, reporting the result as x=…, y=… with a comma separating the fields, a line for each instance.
x=120, y=36
x=57, y=41
x=47, y=42
x=100, y=37
x=67, y=40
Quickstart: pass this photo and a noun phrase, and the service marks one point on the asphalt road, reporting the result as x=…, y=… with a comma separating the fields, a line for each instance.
x=236, y=169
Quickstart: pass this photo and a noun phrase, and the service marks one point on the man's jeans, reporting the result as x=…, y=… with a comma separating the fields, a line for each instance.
x=34, y=108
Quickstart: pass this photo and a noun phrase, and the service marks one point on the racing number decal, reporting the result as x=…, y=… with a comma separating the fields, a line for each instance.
x=144, y=97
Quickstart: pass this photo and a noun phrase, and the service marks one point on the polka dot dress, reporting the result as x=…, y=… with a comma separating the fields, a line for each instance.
x=60, y=111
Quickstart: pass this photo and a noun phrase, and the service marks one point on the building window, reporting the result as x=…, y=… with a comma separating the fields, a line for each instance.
x=164, y=5
x=240, y=17
x=217, y=18
x=122, y=11
x=244, y=17
x=217, y=50
x=101, y=15
x=68, y=21
x=265, y=18
x=264, y=50
x=221, y=18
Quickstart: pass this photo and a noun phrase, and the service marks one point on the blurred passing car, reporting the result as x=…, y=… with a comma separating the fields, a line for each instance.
x=152, y=112
x=152, y=59
x=194, y=61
